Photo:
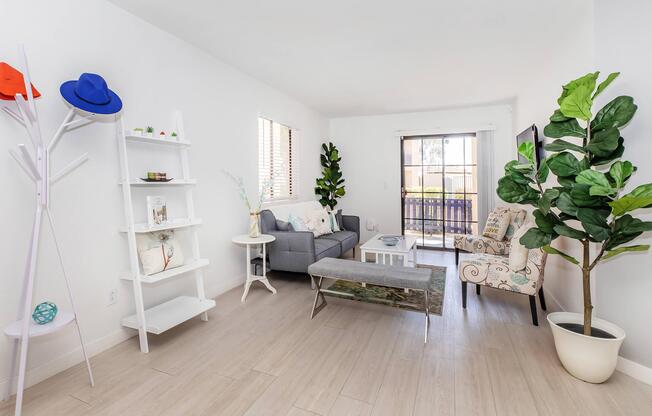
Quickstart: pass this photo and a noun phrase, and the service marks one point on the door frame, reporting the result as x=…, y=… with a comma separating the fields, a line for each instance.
x=403, y=192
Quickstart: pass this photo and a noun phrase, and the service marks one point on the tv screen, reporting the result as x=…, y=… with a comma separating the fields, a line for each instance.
x=530, y=135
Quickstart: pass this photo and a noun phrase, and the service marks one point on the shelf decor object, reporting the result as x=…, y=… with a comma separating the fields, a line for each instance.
x=159, y=318
x=36, y=164
x=44, y=313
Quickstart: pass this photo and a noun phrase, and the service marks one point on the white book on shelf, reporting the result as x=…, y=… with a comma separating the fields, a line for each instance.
x=157, y=211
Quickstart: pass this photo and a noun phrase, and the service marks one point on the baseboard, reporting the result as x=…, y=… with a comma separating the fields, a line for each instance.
x=635, y=370
x=625, y=366
x=74, y=357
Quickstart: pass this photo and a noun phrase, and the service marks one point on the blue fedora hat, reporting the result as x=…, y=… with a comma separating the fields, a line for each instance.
x=90, y=93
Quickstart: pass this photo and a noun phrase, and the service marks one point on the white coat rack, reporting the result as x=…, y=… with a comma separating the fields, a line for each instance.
x=37, y=167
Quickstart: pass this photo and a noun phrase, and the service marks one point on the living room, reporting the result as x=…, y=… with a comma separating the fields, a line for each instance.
x=347, y=232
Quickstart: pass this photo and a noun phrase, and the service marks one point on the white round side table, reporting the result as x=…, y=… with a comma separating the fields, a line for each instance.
x=247, y=241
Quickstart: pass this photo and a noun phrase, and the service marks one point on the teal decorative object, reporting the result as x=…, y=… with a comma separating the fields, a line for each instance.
x=44, y=313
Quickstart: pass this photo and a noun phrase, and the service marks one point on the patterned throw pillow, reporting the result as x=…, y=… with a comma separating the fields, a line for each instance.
x=518, y=253
x=496, y=225
x=517, y=218
x=332, y=215
x=319, y=222
x=158, y=251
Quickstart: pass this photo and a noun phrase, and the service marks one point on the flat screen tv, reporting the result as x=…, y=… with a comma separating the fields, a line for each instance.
x=531, y=135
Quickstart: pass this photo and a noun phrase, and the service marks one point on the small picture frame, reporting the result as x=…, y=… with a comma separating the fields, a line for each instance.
x=157, y=211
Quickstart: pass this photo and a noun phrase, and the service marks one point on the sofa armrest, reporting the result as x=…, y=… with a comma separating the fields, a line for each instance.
x=351, y=223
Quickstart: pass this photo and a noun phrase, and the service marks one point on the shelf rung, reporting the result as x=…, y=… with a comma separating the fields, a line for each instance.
x=168, y=274
x=155, y=140
x=170, y=225
x=174, y=182
x=169, y=314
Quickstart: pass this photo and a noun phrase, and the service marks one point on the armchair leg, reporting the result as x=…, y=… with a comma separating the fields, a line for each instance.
x=477, y=289
x=533, y=310
x=542, y=299
x=464, y=284
x=457, y=256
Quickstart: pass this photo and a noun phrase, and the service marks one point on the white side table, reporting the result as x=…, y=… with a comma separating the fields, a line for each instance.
x=247, y=241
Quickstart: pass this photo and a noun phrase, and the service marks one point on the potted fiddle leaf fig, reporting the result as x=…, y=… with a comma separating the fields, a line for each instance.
x=330, y=186
x=588, y=204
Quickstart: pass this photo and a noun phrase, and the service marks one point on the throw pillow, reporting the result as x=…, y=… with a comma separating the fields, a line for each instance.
x=283, y=226
x=340, y=221
x=518, y=253
x=319, y=222
x=297, y=223
x=158, y=251
x=332, y=216
x=496, y=225
x=517, y=218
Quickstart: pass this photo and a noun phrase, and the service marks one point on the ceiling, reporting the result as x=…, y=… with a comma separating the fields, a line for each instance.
x=360, y=57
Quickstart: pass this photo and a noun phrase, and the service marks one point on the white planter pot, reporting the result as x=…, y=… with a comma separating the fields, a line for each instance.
x=590, y=359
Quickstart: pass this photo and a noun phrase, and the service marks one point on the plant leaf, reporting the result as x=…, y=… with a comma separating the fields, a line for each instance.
x=604, y=142
x=526, y=149
x=566, y=231
x=604, y=84
x=620, y=172
x=552, y=250
x=597, y=180
x=620, y=250
x=588, y=79
x=564, y=164
x=594, y=222
x=566, y=205
x=513, y=192
x=558, y=116
x=535, y=238
x=578, y=103
x=581, y=195
x=603, y=160
x=547, y=198
x=545, y=222
x=561, y=145
x=640, y=197
x=544, y=170
x=564, y=128
x=615, y=113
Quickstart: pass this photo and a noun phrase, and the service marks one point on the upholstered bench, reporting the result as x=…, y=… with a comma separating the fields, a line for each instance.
x=370, y=273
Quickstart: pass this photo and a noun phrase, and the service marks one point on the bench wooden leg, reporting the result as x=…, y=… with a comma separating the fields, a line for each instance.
x=315, y=309
x=542, y=298
x=427, y=311
x=477, y=289
x=533, y=310
x=457, y=256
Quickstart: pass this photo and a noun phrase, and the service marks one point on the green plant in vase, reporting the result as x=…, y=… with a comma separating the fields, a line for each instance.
x=330, y=186
x=589, y=203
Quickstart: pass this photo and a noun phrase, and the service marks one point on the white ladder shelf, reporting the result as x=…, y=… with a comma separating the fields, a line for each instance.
x=166, y=315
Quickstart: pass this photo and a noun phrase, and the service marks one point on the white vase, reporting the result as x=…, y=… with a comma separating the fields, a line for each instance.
x=254, y=227
x=588, y=358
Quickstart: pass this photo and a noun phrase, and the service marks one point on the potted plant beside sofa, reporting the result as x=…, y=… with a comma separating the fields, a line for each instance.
x=589, y=204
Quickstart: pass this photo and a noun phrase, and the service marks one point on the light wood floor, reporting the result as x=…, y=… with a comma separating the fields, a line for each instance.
x=266, y=357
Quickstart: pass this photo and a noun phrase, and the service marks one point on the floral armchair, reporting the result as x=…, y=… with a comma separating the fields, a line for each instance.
x=494, y=271
x=481, y=244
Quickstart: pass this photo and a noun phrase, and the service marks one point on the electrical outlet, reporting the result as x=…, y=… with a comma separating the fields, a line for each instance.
x=113, y=297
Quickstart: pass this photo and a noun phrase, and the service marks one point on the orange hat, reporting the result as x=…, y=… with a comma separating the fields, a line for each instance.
x=12, y=83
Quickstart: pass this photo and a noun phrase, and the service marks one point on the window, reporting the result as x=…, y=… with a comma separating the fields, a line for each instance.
x=276, y=164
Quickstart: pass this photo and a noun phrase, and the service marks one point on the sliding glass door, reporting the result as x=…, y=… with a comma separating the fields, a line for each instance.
x=439, y=188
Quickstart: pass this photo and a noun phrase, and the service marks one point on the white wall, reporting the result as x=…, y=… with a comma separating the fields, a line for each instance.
x=622, y=34
x=154, y=73
x=371, y=155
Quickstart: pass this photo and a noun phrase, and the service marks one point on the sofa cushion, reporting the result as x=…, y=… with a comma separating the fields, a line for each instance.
x=284, y=226
x=325, y=247
x=348, y=239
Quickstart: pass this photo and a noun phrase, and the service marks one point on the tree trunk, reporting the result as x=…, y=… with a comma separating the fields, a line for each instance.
x=586, y=285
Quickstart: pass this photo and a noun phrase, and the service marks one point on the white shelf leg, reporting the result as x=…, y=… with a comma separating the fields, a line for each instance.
x=27, y=306
x=264, y=279
x=72, y=302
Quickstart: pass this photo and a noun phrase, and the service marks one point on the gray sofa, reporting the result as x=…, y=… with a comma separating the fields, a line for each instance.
x=294, y=251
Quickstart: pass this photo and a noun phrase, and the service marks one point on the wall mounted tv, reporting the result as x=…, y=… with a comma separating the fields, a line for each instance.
x=531, y=135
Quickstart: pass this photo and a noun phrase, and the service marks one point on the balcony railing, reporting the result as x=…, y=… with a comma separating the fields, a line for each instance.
x=435, y=214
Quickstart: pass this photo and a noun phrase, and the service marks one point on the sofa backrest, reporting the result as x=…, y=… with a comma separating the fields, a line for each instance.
x=300, y=209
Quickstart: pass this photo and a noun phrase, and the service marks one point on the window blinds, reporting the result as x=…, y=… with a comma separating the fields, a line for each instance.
x=276, y=167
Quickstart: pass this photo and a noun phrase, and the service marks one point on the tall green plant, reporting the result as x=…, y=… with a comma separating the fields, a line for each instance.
x=588, y=203
x=330, y=185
